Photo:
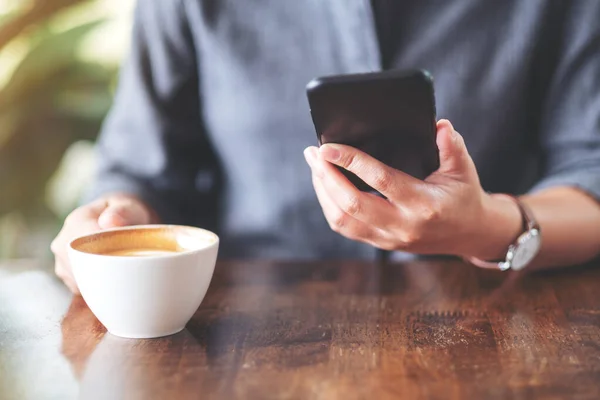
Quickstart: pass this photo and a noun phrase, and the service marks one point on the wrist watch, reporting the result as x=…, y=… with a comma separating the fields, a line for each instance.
x=524, y=249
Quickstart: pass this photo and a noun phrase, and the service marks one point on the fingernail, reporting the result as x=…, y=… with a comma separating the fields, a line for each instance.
x=451, y=131
x=329, y=152
x=310, y=155
x=444, y=124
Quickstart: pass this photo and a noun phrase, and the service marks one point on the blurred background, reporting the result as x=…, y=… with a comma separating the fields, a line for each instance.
x=58, y=68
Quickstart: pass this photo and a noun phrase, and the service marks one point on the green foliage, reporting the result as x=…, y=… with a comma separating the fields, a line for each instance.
x=52, y=100
x=5, y=17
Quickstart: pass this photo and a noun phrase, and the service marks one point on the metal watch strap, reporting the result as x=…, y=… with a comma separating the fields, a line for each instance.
x=529, y=223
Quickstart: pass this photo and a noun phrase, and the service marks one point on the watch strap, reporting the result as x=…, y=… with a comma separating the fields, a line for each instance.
x=528, y=218
x=529, y=223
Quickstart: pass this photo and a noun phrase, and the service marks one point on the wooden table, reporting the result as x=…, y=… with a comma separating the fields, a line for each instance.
x=332, y=330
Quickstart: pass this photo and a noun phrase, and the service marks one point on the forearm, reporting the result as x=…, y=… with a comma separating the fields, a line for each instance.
x=570, y=224
x=569, y=220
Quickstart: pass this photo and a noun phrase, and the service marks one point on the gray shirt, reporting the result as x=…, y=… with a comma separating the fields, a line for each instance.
x=210, y=118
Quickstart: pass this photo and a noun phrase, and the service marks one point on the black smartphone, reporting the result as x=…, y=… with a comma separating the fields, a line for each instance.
x=389, y=115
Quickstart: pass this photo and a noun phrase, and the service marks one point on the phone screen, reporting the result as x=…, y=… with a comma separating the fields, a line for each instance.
x=388, y=115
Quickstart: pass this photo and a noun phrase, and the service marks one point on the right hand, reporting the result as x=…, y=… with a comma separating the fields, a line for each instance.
x=107, y=212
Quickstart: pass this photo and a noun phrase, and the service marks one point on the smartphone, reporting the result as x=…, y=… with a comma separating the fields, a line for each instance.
x=389, y=115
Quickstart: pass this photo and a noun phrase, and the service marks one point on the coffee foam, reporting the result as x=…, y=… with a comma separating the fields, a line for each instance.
x=162, y=239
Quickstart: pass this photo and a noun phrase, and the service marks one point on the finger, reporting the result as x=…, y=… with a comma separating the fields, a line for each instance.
x=341, y=222
x=328, y=206
x=66, y=276
x=113, y=218
x=77, y=226
x=72, y=285
x=335, y=215
x=365, y=207
x=123, y=212
x=83, y=227
x=62, y=267
x=454, y=157
x=311, y=154
x=388, y=181
x=95, y=208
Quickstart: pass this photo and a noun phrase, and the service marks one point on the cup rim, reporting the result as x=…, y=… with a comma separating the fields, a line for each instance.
x=183, y=253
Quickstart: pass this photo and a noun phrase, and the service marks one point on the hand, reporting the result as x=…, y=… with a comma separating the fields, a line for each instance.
x=108, y=212
x=448, y=213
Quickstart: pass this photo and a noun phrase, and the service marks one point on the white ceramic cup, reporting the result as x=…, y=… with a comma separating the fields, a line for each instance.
x=144, y=296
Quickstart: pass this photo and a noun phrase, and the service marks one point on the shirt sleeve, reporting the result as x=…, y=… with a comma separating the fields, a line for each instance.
x=153, y=142
x=570, y=125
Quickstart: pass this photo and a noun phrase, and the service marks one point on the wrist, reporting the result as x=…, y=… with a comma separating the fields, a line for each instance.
x=500, y=224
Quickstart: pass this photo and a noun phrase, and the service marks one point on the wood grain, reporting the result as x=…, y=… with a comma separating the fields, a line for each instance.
x=429, y=329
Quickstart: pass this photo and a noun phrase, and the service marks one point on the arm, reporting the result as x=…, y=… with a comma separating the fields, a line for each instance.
x=152, y=148
x=153, y=145
x=449, y=213
x=565, y=200
x=570, y=220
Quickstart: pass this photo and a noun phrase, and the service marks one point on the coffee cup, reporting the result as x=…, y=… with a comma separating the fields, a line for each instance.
x=144, y=281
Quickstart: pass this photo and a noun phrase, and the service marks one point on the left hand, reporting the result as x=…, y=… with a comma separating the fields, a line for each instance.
x=447, y=213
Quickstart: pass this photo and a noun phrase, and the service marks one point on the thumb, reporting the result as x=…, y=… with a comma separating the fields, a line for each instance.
x=454, y=157
x=123, y=212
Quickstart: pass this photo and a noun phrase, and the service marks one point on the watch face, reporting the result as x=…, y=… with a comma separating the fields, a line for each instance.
x=526, y=250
